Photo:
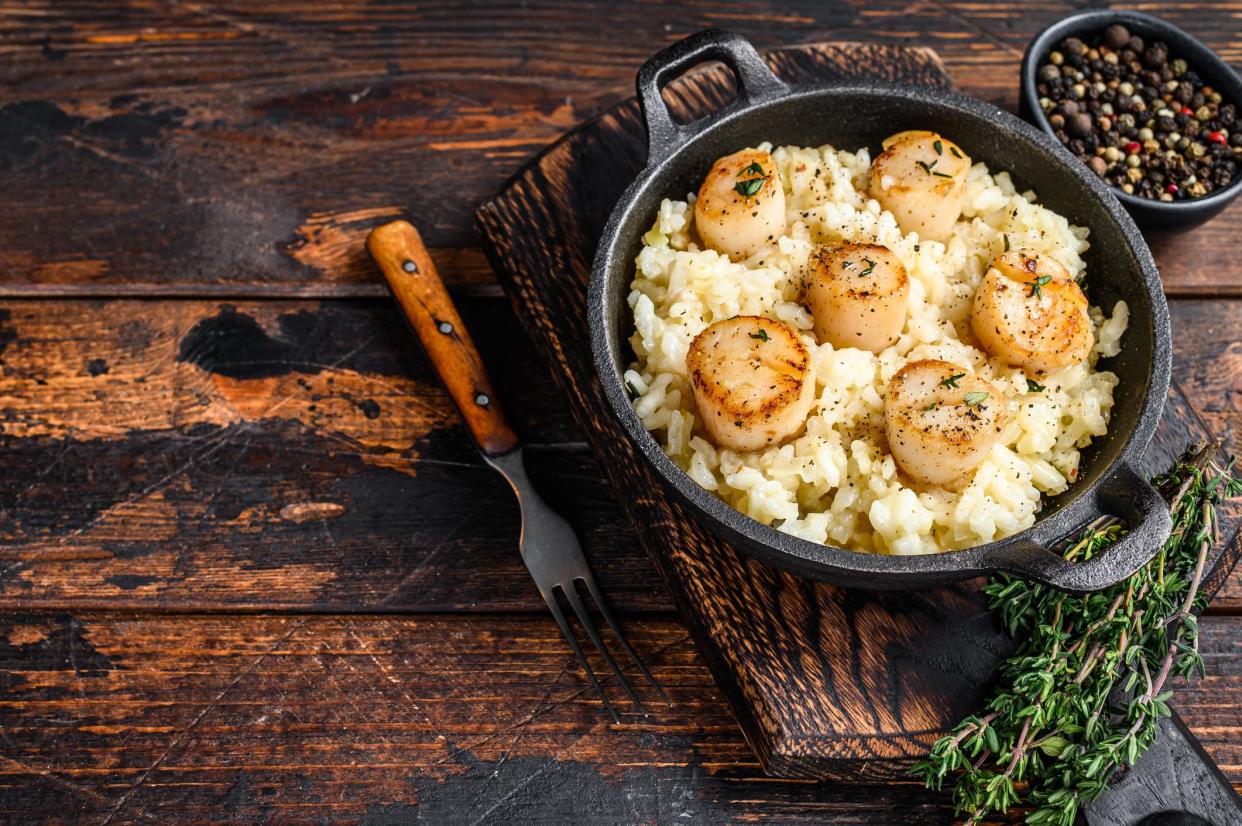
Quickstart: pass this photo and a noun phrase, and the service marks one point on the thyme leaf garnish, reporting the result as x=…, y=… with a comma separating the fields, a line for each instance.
x=762, y=335
x=750, y=187
x=951, y=381
x=1036, y=284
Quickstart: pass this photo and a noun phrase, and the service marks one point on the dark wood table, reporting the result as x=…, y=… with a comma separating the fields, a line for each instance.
x=250, y=568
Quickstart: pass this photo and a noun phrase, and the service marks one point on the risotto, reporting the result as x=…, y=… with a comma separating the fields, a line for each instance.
x=836, y=481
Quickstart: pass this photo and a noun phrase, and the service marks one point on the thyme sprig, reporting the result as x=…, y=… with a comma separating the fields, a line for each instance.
x=1084, y=693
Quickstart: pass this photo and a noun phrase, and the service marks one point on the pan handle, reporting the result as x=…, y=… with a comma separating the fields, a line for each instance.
x=755, y=82
x=1126, y=494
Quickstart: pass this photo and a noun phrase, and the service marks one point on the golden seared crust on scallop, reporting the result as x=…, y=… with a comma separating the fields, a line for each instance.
x=920, y=178
x=857, y=295
x=753, y=382
x=740, y=205
x=942, y=422
x=1031, y=314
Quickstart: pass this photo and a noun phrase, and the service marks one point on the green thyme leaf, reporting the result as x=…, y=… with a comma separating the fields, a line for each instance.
x=951, y=381
x=1034, y=387
x=750, y=188
x=956, y=154
x=1036, y=284
x=975, y=398
x=1006, y=236
x=939, y=147
x=870, y=266
x=762, y=335
x=753, y=169
x=927, y=167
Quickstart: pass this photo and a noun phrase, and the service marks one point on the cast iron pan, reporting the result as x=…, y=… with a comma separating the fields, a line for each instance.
x=862, y=114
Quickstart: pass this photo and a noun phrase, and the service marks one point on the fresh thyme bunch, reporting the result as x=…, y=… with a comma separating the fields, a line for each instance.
x=1083, y=694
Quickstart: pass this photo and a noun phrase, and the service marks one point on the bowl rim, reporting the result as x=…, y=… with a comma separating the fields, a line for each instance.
x=1202, y=55
x=830, y=562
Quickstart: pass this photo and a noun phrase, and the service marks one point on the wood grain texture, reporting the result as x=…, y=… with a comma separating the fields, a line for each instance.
x=386, y=720
x=826, y=682
x=284, y=455
x=265, y=139
x=424, y=301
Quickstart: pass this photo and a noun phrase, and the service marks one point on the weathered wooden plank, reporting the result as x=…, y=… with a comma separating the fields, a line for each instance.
x=445, y=719
x=243, y=148
x=300, y=455
x=185, y=455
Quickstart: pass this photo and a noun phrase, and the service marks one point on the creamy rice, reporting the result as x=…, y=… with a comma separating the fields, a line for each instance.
x=836, y=482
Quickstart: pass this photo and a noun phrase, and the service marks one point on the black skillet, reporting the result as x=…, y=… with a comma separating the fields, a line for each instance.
x=861, y=114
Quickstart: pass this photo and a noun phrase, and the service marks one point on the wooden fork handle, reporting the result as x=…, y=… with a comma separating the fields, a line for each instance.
x=398, y=250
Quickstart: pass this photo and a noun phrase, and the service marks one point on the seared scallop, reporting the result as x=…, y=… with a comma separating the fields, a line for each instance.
x=857, y=295
x=920, y=177
x=753, y=382
x=741, y=205
x=1030, y=313
x=942, y=421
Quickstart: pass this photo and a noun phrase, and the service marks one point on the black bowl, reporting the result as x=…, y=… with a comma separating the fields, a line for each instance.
x=863, y=114
x=1147, y=213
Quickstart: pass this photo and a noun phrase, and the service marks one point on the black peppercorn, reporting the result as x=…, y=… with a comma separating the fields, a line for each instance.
x=1116, y=36
x=1078, y=125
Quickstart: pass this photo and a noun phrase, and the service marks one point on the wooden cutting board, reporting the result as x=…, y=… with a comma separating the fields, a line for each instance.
x=826, y=682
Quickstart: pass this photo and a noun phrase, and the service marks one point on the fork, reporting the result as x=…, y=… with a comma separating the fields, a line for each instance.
x=548, y=545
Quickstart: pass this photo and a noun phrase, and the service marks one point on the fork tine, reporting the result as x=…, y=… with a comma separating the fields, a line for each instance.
x=598, y=596
x=549, y=596
x=575, y=602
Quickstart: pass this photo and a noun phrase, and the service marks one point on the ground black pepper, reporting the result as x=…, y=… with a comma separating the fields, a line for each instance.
x=1141, y=119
